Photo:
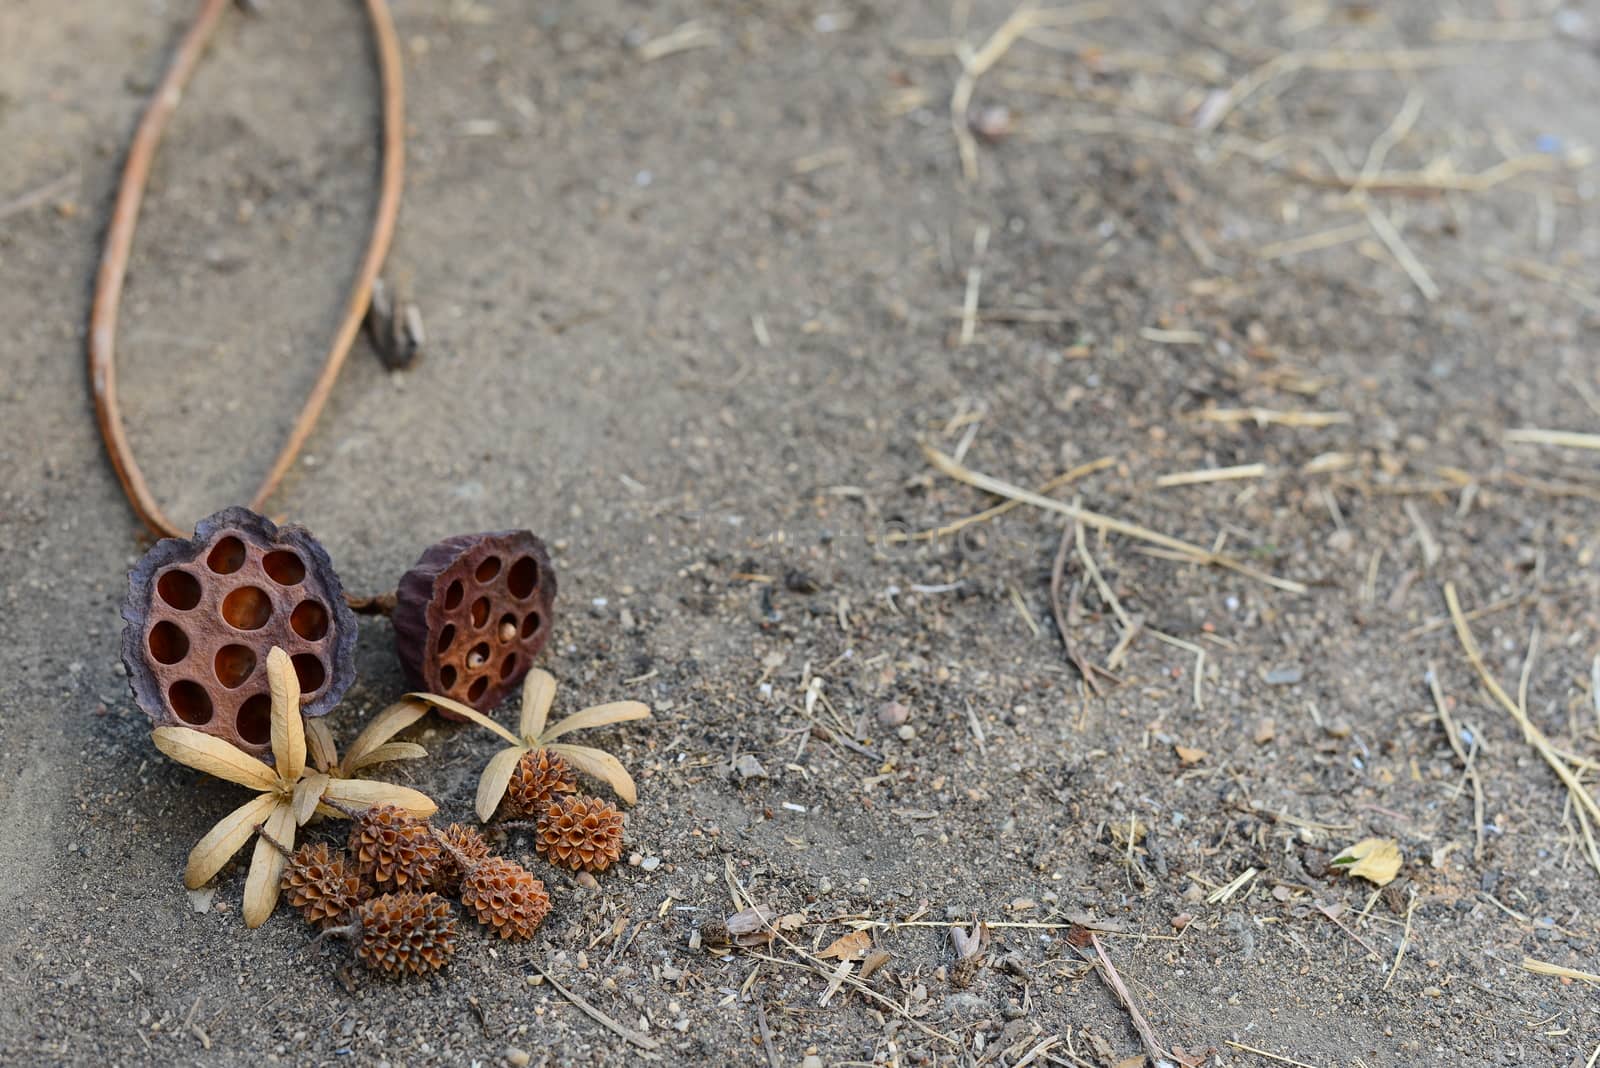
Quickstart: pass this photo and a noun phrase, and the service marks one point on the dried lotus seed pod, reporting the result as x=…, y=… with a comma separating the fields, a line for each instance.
x=472, y=613
x=202, y=614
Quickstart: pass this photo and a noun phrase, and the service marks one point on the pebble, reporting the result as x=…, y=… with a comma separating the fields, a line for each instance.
x=811, y=1061
x=517, y=1058
x=1266, y=730
x=1285, y=676
x=968, y=1005
x=1338, y=728
x=893, y=714
x=650, y=863
x=906, y=733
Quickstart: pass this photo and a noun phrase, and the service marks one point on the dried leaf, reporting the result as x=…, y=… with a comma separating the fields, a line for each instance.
x=385, y=753
x=1376, y=860
x=496, y=777
x=224, y=840
x=266, y=867
x=598, y=716
x=288, y=729
x=1189, y=756
x=749, y=921
x=319, y=745
x=382, y=727
x=214, y=757
x=466, y=712
x=308, y=795
x=538, y=694
x=835, y=981
x=852, y=946
x=600, y=765
x=364, y=793
x=874, y=960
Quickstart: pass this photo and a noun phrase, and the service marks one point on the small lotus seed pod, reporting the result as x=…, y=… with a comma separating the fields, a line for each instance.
x=472, y=613
x=202, y=614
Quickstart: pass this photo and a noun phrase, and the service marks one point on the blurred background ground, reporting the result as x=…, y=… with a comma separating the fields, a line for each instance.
x=697, y=277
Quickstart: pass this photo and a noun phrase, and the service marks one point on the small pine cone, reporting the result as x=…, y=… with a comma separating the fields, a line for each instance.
x=325, y=888
x=465, y=841
x=392, y=846
x=504, y=895
x=581, y=833
x=406, y=932
x=539, y=777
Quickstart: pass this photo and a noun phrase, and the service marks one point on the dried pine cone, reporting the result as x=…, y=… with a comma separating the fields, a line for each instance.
x=504, y=895
x=392, y=846
x=580, y=832
x=461, y=844
x=539, y=777
x=406, y=933
x=324, y=887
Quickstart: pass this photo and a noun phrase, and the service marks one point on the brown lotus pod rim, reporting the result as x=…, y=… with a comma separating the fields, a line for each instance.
x=472, y=613
x=202, y=613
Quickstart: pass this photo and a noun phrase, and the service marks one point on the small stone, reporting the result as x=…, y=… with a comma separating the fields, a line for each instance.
x=1266, y=730
x=812, y=1061
x=967, y=1005
x=893, y=714
x=746, y=767
x=650, y=863
x=1338, y=728
x=906, y=733
x=1284, y=676
x=1181, y=920
x=587, y=881
x=517, y=1058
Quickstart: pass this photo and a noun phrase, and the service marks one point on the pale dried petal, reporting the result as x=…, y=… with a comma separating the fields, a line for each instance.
x=538, y=694
x=223, y=841
x=598, y=716
x=384, y=753
x=308, y=795
x=382, y=727
x=214, y=757
x=496, y=777
x=364, y=793
x=319, y=744
x=266, y=867
x=467, y=712
x=600, y=765
x=288, y=729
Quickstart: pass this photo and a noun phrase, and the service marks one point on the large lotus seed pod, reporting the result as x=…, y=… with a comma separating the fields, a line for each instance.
x=203, y=613
x=472, y=614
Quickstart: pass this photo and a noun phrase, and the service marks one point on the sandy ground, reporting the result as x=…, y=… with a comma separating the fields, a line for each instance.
x=690, y=311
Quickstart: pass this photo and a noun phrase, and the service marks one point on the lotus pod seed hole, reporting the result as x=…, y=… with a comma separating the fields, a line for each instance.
x=179, y=589
x=447, y=637
x=247, y=608
x=168, y=643
x=524, y=576
x=530, y=624
x=308, y=668
x=508, y=627
x=447, y=677
x=234, y=664
x=309, y=620
x=478, y=657
x=475, y=691
x=254, y=721
x=487, y=570
x=227, y=556
x=190, y=702
x=284, y=567
x=480, y=611
x=508, y=666
x=453, y=595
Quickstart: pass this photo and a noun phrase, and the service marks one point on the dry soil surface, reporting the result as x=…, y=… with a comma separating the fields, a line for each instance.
x=693, y=275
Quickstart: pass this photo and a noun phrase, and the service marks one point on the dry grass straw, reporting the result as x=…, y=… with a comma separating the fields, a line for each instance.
x=1272, y=417
x=1212, y=474
x=1240, y=1046
x=1063, y=479
x=1583, y=803
x=1185, y=550
x=1565, y=439
x=1405, y=940
x=1540, y=967
x=1468, y=760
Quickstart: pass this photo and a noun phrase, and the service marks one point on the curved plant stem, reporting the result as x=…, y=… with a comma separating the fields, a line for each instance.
x=119, y=242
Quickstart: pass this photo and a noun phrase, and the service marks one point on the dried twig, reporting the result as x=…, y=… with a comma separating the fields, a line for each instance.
x=1192, y=553
x=1453, y=735
x=1566, y=439
x=1058, y=572
x=631, y=1036
x=1108, y=972
x=1269, y=1056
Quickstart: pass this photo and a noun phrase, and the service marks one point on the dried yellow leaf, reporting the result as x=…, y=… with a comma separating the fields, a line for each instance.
x=1188, y=755
x=364, y=793
x=214, y=757
x=467, y=712
x=319, y=745
x=384, y=753
x=288, y=729
x=382, y=727
x=538, y=694
x=308, y=795
x=852, y=946
x=266, y=867
x=598, y=716
x=1376, y=860
x=225, y=839
x=496, y=777
x=601, y=765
